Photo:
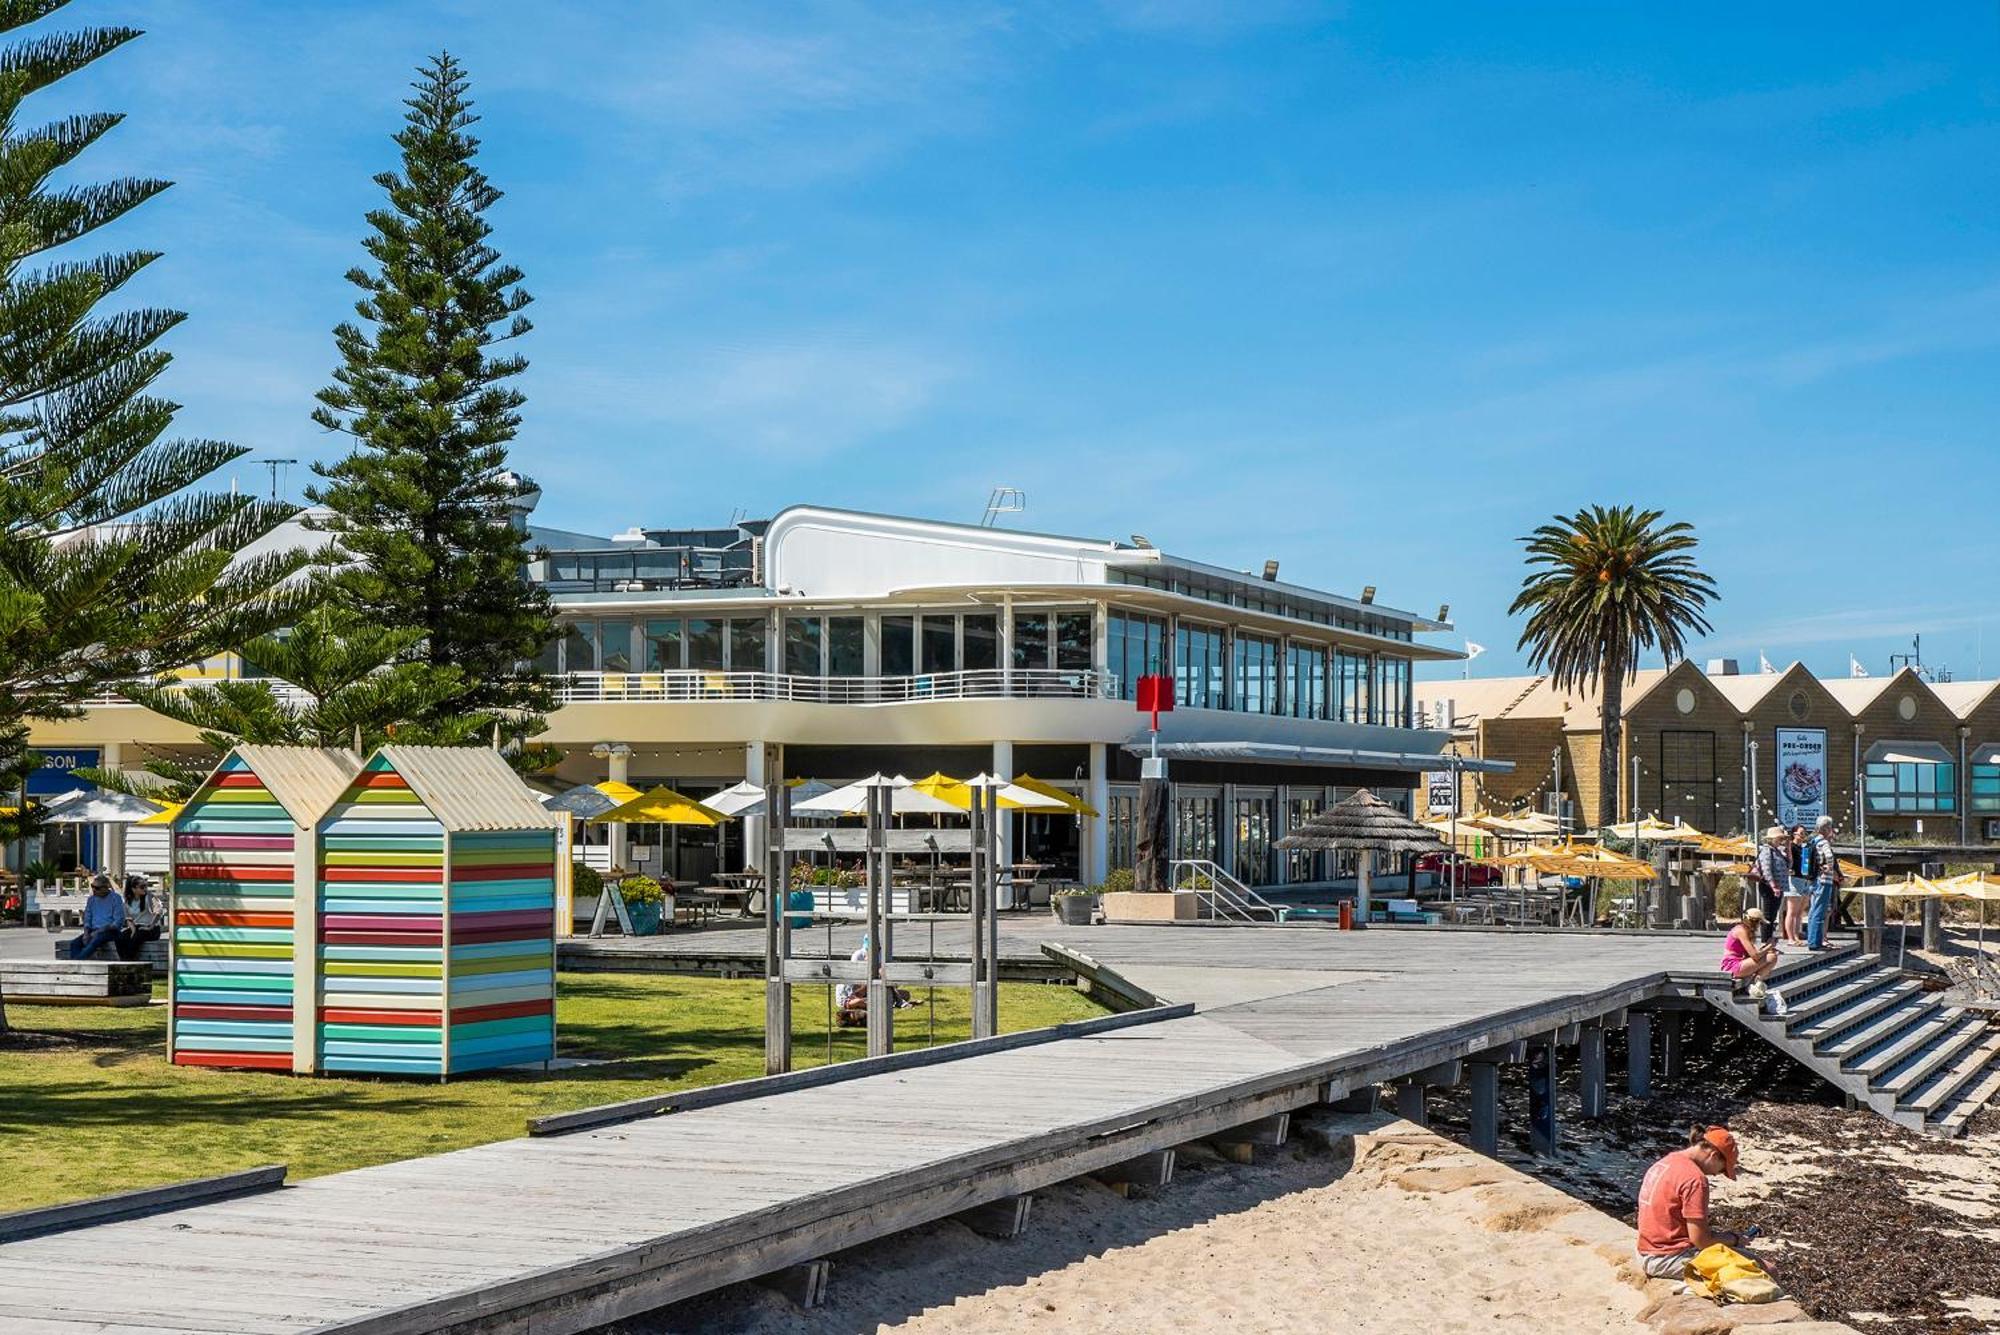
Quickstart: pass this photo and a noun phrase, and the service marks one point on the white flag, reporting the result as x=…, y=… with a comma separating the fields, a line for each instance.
x=1854, y=668
x=1473, y=650
x=1764, y=664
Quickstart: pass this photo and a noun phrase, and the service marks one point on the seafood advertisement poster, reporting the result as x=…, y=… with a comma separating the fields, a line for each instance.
x=1801, y=775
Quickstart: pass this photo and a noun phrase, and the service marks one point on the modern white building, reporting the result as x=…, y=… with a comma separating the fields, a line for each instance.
x=862, y=642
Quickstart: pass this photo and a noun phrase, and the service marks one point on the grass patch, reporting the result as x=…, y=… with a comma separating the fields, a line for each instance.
x=93, y=1107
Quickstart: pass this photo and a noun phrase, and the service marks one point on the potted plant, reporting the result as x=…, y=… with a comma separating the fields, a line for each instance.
x=1075, y=907
x=1124, y=902
x=644, y=901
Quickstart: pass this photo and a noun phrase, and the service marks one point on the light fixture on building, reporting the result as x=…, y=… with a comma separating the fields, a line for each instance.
x=1444, y=612
x=1368, y=594
x=1270, y=570
x=1140, y=540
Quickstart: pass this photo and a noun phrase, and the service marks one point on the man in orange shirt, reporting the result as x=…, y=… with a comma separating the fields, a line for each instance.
x=1673, y=1203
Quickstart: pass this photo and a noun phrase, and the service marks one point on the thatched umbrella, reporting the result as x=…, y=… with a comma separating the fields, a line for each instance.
x=1366, y=823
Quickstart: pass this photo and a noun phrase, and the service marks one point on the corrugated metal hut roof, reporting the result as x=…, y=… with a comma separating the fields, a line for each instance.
x=469, y=787
x=306, y=780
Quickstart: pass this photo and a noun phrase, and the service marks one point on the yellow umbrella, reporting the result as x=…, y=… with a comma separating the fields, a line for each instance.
x=958, y=793
x=1068, y=799
x=620, y=793
x=164, y=816
x=661, y=806
x=1652, y=827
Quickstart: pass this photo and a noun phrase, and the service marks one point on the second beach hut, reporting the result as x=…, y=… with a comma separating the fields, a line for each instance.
x=437, y=902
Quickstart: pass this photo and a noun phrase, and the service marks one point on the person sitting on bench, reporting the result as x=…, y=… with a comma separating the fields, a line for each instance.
x=143, y=918
x=103, y=919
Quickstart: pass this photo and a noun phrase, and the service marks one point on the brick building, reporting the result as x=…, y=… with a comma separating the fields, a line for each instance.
x=1728, y=751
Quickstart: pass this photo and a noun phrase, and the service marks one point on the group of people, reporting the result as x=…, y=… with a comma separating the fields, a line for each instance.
x=125, y=921
x=1797, y=878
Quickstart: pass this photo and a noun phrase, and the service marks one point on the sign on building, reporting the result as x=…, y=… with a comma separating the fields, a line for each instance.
x=1801, y=771
x=1443, y=800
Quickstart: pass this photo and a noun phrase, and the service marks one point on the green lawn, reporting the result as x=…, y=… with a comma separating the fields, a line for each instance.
x=105, y=1112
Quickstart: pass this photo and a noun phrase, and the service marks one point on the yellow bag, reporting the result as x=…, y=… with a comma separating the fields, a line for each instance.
x=1728, y=1276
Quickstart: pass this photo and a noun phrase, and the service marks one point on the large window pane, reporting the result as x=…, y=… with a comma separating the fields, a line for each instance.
x=1354, y=686
x=580, y=646
x=1136, y=646
x=982, y=643
x=1199, y=678
x=1031, y=639
x=614, y=645
x=1912, y=788
x=1076, y=633
x=1256, y=675
x=1305, y=681
x=704, y=644
x=843, y=646
x=802, y=646
x=940, y=644
x=548, y=660
x=663, y=645
x=1394, y=699
x=899, y=650
x=746, y=645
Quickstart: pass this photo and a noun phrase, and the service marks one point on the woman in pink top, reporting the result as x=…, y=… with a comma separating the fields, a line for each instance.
x=1743, y=959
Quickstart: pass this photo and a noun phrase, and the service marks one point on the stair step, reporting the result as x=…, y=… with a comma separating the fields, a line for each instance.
x=1883, y=1058
x=1808, y=982
x=1826, y=1026
x=1946, y=1084
x=1794, y=968
x=1857, y=1042
x=1965, y=1032
x=1971, y=1099
x=1854, y=988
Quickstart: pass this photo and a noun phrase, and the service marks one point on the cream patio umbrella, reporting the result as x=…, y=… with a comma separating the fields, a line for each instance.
x=1913, y=887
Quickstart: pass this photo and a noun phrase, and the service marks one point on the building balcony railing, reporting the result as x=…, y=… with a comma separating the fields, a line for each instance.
x=689, y=687
x=288, y=695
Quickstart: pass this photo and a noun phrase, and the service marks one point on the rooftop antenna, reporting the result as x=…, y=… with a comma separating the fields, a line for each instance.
x=278, y=467
x=1003, y=501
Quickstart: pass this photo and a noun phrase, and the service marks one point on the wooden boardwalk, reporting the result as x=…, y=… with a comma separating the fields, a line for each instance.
x=563, y=1233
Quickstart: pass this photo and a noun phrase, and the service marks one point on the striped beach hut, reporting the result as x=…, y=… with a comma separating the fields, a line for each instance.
x=437, y=901
x=244, y=944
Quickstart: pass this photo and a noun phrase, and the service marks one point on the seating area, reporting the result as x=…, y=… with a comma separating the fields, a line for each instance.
x=65, y=982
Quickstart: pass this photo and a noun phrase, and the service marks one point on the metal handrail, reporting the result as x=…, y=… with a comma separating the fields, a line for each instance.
x=687, y=685
x=1224, y=895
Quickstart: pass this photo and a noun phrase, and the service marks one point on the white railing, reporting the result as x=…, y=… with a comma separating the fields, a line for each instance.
x=687, y=686
x=1220, y=893
x=290, y=696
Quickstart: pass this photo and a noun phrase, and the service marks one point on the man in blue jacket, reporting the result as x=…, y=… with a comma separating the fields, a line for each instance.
x=1826, y=882
x=103, y=916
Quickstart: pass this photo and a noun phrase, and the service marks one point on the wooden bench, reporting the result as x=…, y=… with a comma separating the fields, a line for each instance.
x=77, y=982
x=153, y=953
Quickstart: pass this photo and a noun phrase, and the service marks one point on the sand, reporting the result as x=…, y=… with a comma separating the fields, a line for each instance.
x=1359, y=1225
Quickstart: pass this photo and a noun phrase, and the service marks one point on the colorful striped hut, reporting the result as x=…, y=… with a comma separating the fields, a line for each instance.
x=437, y=900
x=244, y=941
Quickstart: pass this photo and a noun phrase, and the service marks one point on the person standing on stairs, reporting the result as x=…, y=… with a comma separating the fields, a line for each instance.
x=1823, y=869
x=1771, y=873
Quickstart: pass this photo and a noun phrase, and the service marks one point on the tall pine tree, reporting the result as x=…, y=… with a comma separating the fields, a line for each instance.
x=422, y=504
x=111, y=568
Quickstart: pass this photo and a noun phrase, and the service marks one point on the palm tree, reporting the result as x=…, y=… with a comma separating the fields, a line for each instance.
x=1603, y=586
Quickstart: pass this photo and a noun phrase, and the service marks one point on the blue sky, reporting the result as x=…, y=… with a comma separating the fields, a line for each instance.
x=1372, y=288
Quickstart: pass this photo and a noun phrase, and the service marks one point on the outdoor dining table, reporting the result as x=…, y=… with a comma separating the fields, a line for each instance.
x=745, y=886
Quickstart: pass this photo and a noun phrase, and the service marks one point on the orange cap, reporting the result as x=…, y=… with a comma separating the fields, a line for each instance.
x=1722, y=1140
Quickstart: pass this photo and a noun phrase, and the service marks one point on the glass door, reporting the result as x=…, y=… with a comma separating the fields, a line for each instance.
x=1256, y=833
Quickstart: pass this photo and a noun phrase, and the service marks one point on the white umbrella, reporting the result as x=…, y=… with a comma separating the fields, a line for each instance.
x=739, y=799
x=1014, y=795
x=98, y=806
x=852, y=799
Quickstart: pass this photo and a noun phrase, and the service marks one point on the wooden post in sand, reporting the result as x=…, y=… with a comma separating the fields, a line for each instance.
x=1542, y=1096
x=1590, y=1070
x=1410, y=1101
x=1483, y=1079
x=1639, y=1055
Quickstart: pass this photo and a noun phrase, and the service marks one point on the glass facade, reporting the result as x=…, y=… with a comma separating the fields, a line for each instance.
x=1135, y=645
x=1911, y=788
x=705, y=639
x=804, y=642
x=1256, y=690
x=1305, y=681
x=1985, y=785
x=940, y=644
x=746, y=644
x=899, y=646
x=845, y=638
x=1199, y=678
x=1076, y=641
x=1393, y=699
x=980, y=642
x=1353, y=682
x=1031, y=640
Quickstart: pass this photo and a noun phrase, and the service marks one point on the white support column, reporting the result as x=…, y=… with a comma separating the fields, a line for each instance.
x=1003, y=820
x=111, y=857
x=753, y=826
x=617, y=769
x=1007, y=646
x=1096, y=842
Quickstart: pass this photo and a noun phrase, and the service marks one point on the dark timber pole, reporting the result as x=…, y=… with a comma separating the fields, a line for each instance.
x=985, y=904
x=881, y=1003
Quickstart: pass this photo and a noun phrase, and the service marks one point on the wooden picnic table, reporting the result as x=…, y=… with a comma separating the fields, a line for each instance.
x=744, y=888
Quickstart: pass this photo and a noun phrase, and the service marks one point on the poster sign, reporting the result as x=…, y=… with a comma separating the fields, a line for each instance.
x=1801, y=776
x=59, y=766
x=1442, y=799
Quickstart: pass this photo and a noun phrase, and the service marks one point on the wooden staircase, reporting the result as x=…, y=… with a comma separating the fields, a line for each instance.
x=1873, y=1033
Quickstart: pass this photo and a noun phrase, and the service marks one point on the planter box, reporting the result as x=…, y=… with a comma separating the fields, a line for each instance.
x=1075, y=910
x=1134, y=906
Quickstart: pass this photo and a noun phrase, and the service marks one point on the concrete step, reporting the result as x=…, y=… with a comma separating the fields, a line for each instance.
x=1826, y=1028
x=1951, y=1120
x=1964, y=1034
x=1943, y=1088
x=1825, y=1001
x=1879, y=1061
x=1855, y=1044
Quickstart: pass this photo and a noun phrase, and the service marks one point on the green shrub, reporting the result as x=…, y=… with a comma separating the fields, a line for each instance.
x=1078, y=892
x=1120, y=880
x=584, y=882
x=641, y=890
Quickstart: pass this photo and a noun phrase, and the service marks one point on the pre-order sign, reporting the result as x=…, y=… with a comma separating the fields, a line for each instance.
x=1801, y=776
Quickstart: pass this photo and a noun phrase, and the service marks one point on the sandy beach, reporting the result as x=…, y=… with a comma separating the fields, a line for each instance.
x=1361, y=1224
